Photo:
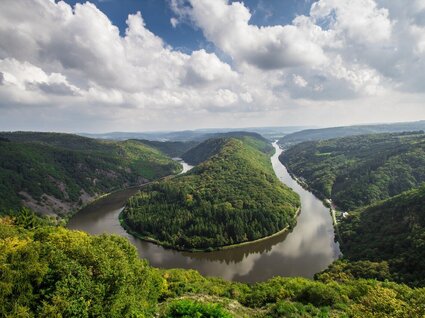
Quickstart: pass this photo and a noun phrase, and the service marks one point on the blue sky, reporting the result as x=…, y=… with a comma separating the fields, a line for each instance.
x=65, y=67
x=187, y=37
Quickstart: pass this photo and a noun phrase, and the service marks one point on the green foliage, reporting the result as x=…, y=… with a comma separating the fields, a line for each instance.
x=171, y=148
x=204, y=151
x=357, y=171
x=52, y=272
x=363, y=170
x=294, y=310
x=27, y=219
x=48, y=271
x=68, y=167
x=343, y=270
x=212, y=146
x=346, y=131
x=232, y=197
x=391, y=231
x=299, y=297
x=193, y=309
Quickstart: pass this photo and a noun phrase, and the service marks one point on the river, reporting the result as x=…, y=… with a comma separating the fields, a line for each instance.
x=308, y=249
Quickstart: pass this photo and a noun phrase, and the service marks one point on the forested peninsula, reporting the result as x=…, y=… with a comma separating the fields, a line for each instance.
x=232, y=196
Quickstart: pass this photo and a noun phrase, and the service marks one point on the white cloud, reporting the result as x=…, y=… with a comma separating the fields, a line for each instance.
x=174, y=22
x=227, y=26
x=74, y=62
x=360, y=21
x=299, y=80
x=78, y=51
x=205, y=68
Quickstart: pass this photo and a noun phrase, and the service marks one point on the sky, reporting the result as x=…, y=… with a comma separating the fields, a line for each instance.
x=143, y=65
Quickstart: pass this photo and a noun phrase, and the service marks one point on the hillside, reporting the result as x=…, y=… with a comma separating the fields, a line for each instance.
x=204, y=151
x=357, y=171
x=229, y=198
x=57, y=173
x=271, y=133
x=392, y=231
x=345, y=131
x=49, y=271
x=174, y=149
x=212, y=146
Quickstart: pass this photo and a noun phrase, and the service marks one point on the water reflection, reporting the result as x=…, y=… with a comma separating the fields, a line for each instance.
x=186, y=166
x=308, y=249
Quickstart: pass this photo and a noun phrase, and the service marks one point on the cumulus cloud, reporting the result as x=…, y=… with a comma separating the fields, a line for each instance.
x=227, y=26
x=203, y=68
x=78, y=51
x=360, y=21
x=74, y=61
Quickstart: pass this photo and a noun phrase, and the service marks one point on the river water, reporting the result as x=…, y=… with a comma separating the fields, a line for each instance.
x=308, y=249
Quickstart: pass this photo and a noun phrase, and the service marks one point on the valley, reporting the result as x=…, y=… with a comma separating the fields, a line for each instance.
x=309, y=248
x=56, y=174
x=185, y=213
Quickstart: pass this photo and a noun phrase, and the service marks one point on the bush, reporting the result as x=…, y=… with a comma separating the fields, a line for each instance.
x=195, y=309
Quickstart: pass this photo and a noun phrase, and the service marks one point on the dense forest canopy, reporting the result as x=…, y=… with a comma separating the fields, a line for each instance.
x=170, y=148
x=357, y=171
x=213, y=145
x=49, y=271
x=346, y=131
x=391, y=231
x=233, y=196
x=55, y=173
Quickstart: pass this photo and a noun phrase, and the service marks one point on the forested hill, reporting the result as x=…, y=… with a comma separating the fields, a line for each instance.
x=170, y=148
x=49, y=271
x=232, y=197
x=204, y=151
x=392, y=231
x=56, y=173
x=346, y=131
x=213, y=146
x=357, y=171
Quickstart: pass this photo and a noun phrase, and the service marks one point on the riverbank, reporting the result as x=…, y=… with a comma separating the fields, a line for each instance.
x=130, y=231
x=333, y=209
x=97, y=198
x=105, y=195
x=303, y=251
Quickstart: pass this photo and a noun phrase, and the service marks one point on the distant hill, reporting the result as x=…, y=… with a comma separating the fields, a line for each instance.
x=345, y=131
x=186, y=135
x=170, y=148
x=271, y=133
x=359, y=170
x=213, y=145
x=231, y=196
x=57, y=173
x=204, y=151
x=392, y=231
